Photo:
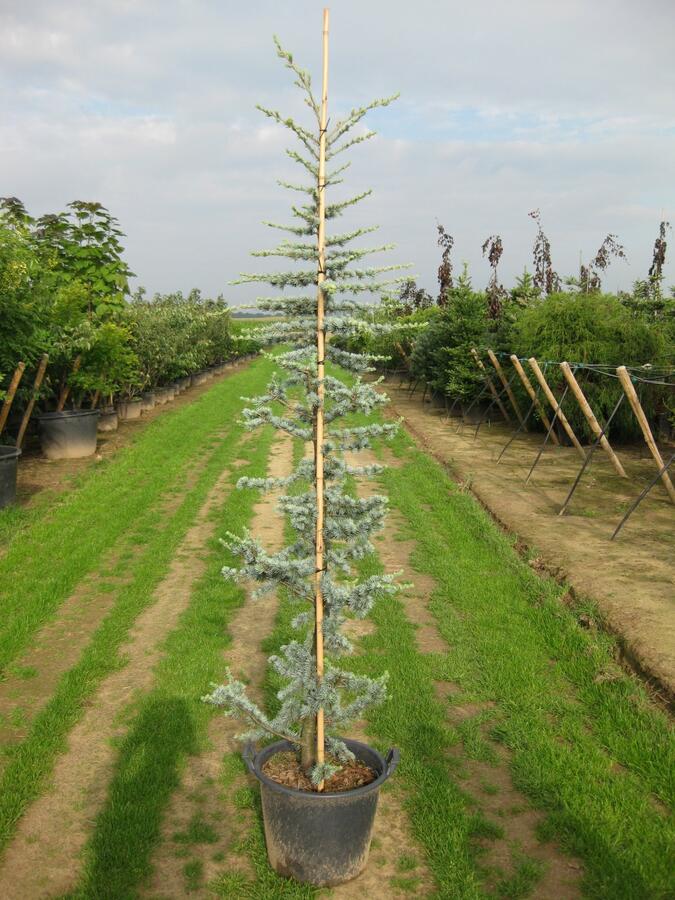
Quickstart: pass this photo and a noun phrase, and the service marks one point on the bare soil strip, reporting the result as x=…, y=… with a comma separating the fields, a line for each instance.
x=634, y=586
x=45, y=857
x=200, y=798
x=59, y=644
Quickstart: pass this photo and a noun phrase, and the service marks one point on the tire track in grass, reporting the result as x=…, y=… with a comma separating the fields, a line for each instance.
x=169, y=723
x=202, y=824
x=45, y=561
x=24, y=777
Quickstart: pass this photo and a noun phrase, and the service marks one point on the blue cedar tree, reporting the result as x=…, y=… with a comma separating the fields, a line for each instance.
x=290, y=404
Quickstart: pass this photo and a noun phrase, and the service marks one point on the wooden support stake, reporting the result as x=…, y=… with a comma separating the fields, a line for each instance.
x=550, y=396
x=507, y=388
x=320, y=389
x=33, y=397
x=493, y=389
x=11, y=391
x=590, y=418
x=527, y=384
x=634, y=401
x=66, y=388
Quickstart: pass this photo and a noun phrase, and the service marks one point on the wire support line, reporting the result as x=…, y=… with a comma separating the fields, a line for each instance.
x=589, y=454
x=638, y=500
x=548, y=433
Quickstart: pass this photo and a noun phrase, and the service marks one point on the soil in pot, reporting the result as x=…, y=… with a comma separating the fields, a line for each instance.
x=323, y=838
x=284, y=768
x=8, y=465
x=129, y=409
x=108, y=419
x=70, y=434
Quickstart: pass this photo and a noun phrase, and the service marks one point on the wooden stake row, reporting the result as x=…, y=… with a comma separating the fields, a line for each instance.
x=575, y=387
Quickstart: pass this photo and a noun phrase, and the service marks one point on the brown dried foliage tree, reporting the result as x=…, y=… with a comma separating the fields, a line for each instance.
x=546, y=279
x=496, y=293
x=446, y=241
x=659, y=254
x=589, y=276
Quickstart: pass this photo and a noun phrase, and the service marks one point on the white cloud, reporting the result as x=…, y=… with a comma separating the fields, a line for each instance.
x=147, y=106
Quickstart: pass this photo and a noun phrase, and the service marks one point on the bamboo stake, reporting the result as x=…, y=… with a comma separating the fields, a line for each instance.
x=507, y=387
x=11, y=391
x=634, y=401
x=31, y=403
x=527, y=384
x=493, y=389
x=550, y=396
x=590, y=418
x=320, y=358
x=66, y=388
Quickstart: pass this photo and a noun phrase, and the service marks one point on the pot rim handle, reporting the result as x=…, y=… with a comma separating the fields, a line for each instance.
x=248, y=754
x=392, y=760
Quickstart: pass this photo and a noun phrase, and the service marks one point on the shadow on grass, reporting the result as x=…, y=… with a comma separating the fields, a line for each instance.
x=148, y=771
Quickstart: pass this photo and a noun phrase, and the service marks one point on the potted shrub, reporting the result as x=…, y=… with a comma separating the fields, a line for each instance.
x=318, y=833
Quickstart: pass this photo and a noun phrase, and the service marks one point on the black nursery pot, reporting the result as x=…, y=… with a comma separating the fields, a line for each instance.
x=319, y=838
x=70, y=434
x=8, y=464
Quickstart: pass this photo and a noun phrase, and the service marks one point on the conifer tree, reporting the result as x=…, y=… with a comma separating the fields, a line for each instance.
x=332, y=528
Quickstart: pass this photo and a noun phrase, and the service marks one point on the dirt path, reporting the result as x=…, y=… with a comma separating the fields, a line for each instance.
x=200, y=801
x=45, y=856
x=631, y=578
x=503, y=804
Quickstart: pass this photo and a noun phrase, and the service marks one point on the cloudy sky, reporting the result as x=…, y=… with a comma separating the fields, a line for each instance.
x=149, y=107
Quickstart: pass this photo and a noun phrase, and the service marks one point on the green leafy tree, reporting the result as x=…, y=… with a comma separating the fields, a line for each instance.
x=83, y=245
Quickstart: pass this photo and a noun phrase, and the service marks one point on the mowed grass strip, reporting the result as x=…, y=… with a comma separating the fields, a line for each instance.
x=49, y=553
x=32, y=760
x=169, y=723
x=587, y=745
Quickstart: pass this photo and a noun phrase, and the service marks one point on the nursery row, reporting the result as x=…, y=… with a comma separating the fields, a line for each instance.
x=71, y=326
x=595, y=333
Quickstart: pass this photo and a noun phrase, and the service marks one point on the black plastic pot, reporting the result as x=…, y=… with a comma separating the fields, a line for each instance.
x=70, y=434
x=108, y=419
x=8, y=464
x=319, y=838
x=147, y=401
x=129, y=409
